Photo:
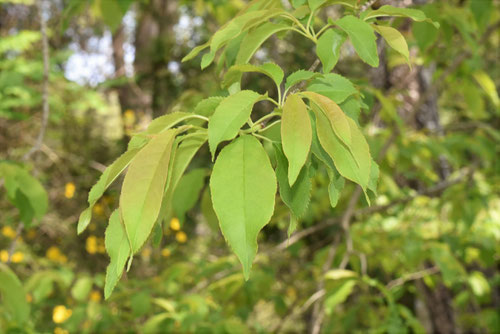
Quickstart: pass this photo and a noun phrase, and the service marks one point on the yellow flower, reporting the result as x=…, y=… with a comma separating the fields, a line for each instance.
x=60, y=314
x=181, y=237
x=54, y=254
x=175, y=224
x=98, y=209
x=129, y=117
x=95, y=296
x=9, y=232
x=17, y=257
x=146, y=253
x=29, y=298
x=69, y=190
x=91, y=245
x=4, y=255
x=59, y=330
x=165, y=252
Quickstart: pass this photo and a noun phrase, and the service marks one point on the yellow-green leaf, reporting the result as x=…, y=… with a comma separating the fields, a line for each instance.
x=296, y=135
x=243, y=188
x=143, y=188
x=394, y=39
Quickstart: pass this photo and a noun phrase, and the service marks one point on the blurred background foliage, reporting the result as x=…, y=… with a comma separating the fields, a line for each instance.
x=423, y=258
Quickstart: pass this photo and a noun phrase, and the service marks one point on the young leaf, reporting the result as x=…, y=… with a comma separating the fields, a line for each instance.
x=109, y=175
x=336, y=117
x=334, y=86
x=143, y=188
x=296, y=134
x=243, y=187
x=271, y=70
x=118, y=249
x=298, y=76
x=328, y=48
x=394, y=39
x=298, y=196
x=353, y=162
x=362, y=37
x=231, y=114
x=166, y=122
x=13, y=295
x=254, y=39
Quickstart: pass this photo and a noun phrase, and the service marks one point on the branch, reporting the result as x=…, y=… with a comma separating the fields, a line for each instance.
x=412, y=277
x=45, y=85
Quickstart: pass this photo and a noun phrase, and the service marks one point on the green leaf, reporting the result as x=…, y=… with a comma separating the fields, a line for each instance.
x=337, y=119
x=271, y=70
x=181, y=159
x=374, y=174
x=353, y=162
x=166, y=122
x=207, y=209
x=187, y=192
x=231, y=114
x=482, y=11
x=24, y=192
x=107, y=177
x=118, y=248
x=243, y=187
x=335, y=188
x=333, y=86
x=13, y=295
x=414, y=14
x=81, y=289
x=296, y=135
x=338, y=296
x=143, y=188
x=315, y=4
x=488, y=85
x=298, y=196
x=254, y=39
x=298, y=76
x=328, y=48
x=352, y=108
x=394, y=39
x=425, y=34
x=362, y=37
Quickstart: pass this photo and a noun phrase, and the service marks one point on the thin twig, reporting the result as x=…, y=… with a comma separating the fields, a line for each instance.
x=412, y=277
x=45, y=84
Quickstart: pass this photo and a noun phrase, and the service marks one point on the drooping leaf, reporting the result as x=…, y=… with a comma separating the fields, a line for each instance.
x=296, y=135
x=231, y=114
x=271, y=70
x=362, y=37
x=243, y=187
x=107, y=177
x=296, y=197
x=13, y=295
x=387, y=10
x=353, y=162
x=143, y=188
x=207, y=209
x=254, y=39
x=298, y=76
x=336, y=117
x=187, y=192
x=334, y=86
x=118, y=249
x=395, y=40
x=328, y=48
x=166, y=122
